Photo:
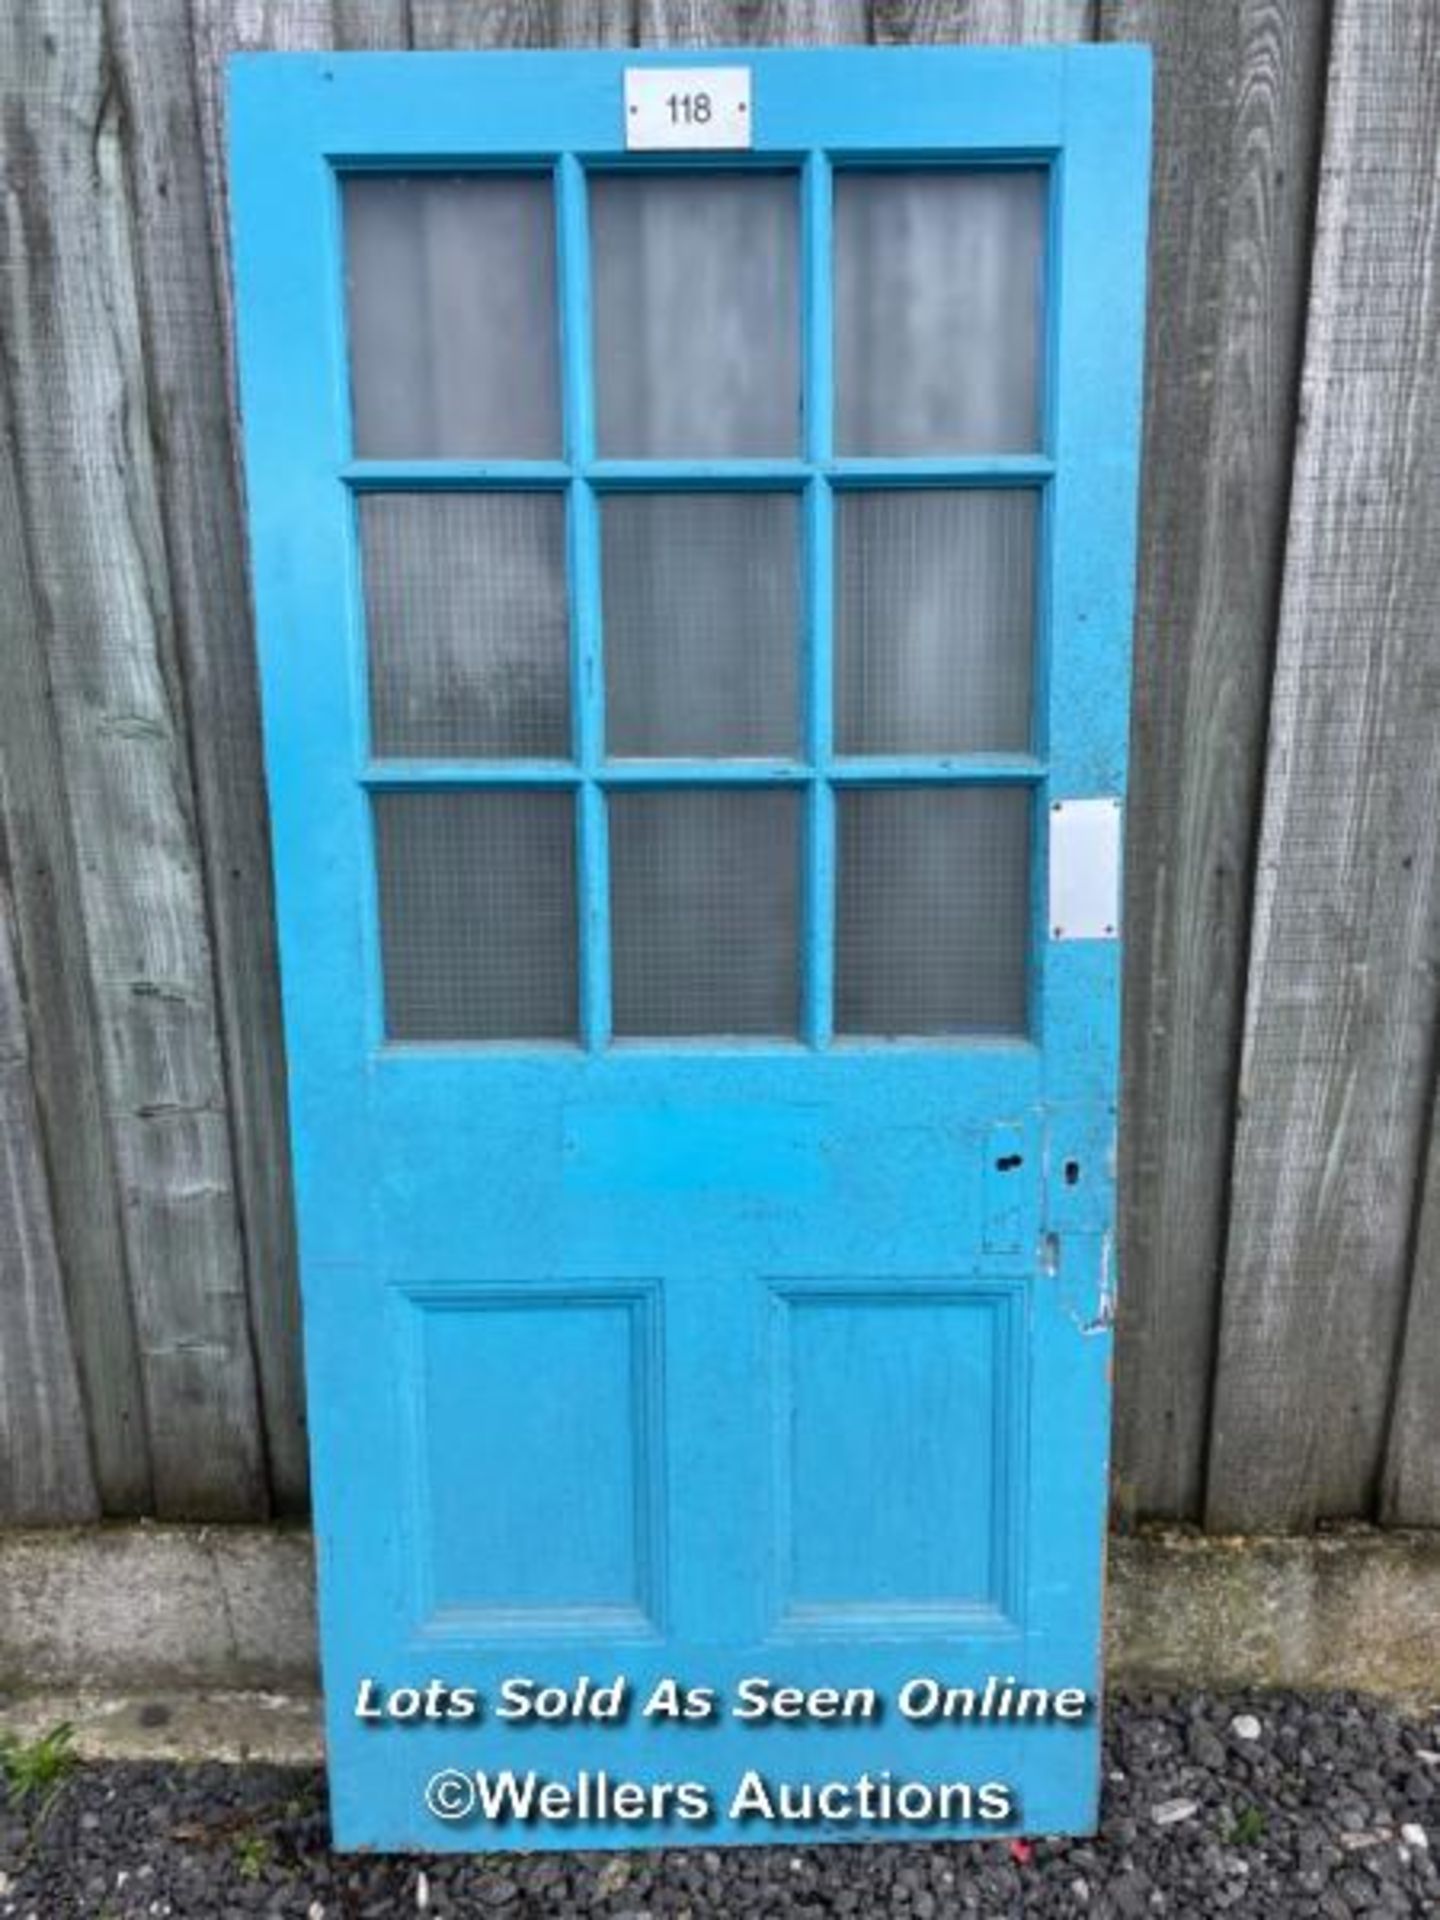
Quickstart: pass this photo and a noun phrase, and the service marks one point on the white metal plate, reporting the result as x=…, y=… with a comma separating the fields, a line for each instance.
x=685, y=108
x=1085, y=869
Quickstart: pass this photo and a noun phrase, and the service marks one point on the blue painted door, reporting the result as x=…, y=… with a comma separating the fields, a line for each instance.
x=693, y=593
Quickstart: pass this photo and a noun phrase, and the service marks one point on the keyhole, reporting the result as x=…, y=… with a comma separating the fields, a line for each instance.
x=1072, y=1173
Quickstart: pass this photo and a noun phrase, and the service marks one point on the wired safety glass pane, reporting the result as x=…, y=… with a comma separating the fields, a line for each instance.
x=466, y=618
x=454, y=342
x=477, y=914
x=937, y=311
x=701, y=610
x=704, y=889
x=934, y=611
x=696, y=314
x=932, y=910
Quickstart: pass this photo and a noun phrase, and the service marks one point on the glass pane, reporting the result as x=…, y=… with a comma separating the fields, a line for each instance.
x=697, y=319
x=934, y=621
x=450, y=281
x=937, y=311
x=704, y=918
x=466, y=616
x=477, y=914
x=701, y=611
x=932, y=918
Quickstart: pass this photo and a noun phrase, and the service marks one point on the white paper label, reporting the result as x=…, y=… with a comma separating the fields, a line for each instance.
x=687, y=107
x=1085, y=869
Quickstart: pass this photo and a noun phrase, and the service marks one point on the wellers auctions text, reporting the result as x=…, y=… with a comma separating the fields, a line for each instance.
x=504, y=1795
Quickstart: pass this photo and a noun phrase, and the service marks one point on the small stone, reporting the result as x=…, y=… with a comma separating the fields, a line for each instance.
x=422, y=1893
x=1169, y=1812
x=315, y=1910
x=1129, y=1894
x=1414, y=1835
x=613, y=1875
x=1245, y=1727
x=1355, y=1889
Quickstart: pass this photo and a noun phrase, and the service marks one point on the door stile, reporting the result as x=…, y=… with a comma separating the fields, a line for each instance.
x=1096, y=304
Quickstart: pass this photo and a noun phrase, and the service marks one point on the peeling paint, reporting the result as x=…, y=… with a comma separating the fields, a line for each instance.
x=1104, y=1318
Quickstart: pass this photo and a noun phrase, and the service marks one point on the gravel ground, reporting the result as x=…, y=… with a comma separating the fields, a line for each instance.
x=1263, y=1804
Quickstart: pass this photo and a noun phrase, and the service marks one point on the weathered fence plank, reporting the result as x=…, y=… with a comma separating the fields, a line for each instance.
x=437, y=25
x=44, y=878
x=1341, y=1011
x=594, y=23
x=1410, y=1489
x=457, y=24
x=83, y=434
x=45, y=1470
x=1238, y=92
x=733, y=23
x=195, y=477
x=981, y=22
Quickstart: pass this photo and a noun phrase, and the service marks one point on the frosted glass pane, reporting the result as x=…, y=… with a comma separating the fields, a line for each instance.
x=938, y=282
x=450, y=280
x=697, y=317
x=701, y=612
x=935, y=605
x=704, y=888
x=477, y=915
x=466, y=617
x=932, y=913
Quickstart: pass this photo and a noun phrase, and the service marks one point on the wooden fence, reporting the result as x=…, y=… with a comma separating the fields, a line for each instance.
x=1280, y=1334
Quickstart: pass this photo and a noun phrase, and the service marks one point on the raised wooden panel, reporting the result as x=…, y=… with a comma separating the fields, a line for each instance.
x=533, y=1419
x=897, y=1414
